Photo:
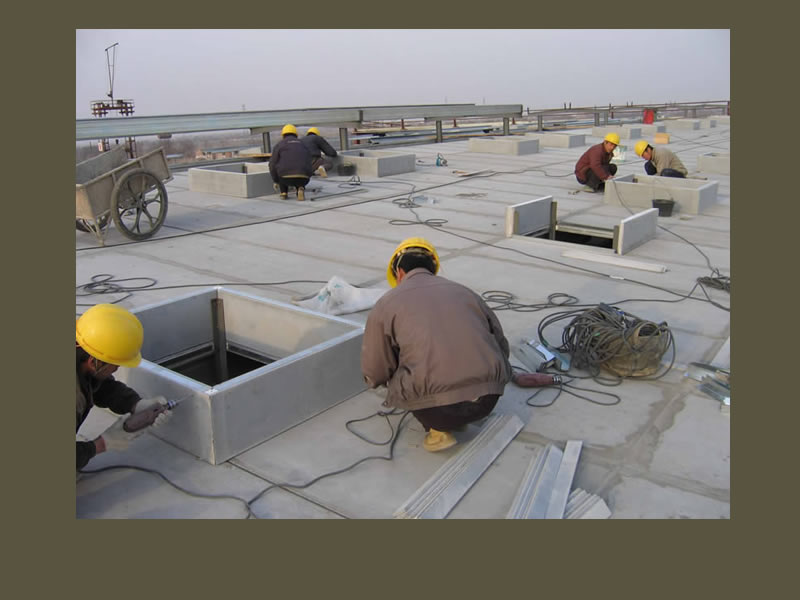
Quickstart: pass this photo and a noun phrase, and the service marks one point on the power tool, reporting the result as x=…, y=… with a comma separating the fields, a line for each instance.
x=145, y=418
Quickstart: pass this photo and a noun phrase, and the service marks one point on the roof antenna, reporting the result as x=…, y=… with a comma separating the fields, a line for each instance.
x=110, y=60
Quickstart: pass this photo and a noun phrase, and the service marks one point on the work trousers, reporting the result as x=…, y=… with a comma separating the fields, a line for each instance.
x=285, y=182
x=593, y=181
x=321, y=161
x=650, y=169
x=454, y=416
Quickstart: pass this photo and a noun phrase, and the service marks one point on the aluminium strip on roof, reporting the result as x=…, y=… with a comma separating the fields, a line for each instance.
x=533, y=494
x=563, y=483
x=445, y=488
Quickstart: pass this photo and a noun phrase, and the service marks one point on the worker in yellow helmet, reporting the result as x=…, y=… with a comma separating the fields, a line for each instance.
x=594, y=167
x=660, y=161
x=290, y=164
x=108, y=336
x=317, y=146
x=436, y=346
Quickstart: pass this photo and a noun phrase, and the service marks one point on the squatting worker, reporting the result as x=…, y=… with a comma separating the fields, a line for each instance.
x=317, y=146
x=594, y=167
x=290, y=164
x=660, y=161
x=108, y=336
x=436, y=346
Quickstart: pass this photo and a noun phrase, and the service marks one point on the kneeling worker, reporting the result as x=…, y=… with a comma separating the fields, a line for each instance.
x=594, y=166
x=108, y=336
x=290, y=163
x=660, y=161
x=317, y=146
x=436, y=346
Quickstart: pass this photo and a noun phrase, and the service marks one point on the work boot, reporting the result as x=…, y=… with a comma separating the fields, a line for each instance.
x=284, y=196
x=436, y=441
x=301, y=193
x=322, y=172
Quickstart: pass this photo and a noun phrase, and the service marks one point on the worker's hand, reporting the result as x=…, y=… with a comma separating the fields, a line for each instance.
x=116, y=438
x=148, y=402
x=162, y=418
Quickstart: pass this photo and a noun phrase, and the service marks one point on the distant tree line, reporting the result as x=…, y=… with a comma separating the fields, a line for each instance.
x=186, y=145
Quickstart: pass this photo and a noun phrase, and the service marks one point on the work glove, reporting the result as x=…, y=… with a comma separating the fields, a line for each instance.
x=116, y=438
x=146, y=403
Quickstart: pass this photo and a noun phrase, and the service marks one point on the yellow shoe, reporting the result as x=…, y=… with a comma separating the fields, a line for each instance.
x=301, y=195
x=322, y=172
x=438, y=440
x=284, y=196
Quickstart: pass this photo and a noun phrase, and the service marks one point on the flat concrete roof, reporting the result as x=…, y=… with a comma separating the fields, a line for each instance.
x=662, y=451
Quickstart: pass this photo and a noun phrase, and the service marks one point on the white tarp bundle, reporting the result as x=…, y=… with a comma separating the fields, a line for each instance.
x=338, y=297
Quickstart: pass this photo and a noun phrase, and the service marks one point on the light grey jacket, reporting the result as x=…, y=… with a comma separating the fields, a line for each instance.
x=666, y=159
x=433, y=342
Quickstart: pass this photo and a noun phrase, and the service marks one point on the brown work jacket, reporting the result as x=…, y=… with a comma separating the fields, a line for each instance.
x=433, y=342
x=595, y=158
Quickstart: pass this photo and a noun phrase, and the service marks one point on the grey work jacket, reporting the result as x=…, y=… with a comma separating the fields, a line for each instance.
x=433, y=342
x=666, y=159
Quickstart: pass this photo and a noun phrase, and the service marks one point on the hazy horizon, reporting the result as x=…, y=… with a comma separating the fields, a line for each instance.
x=186, y=71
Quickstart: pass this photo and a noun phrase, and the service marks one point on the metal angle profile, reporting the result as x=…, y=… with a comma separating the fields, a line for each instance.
x=445, y=488
x=583, y=505
x=533, y=495
x=563, y=482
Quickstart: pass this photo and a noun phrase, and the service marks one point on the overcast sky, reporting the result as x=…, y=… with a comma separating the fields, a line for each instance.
x=184, y=71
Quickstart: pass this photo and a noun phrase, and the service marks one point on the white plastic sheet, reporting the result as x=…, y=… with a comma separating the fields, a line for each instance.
x=338, y=297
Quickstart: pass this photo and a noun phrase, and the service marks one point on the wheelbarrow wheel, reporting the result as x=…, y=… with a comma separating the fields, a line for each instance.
x=86, y=224
x=139, y=204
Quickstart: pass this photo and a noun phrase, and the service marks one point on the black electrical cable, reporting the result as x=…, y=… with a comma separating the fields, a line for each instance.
x=175, y=485
x=248, y=503
x=104, y=283
x=339, y=471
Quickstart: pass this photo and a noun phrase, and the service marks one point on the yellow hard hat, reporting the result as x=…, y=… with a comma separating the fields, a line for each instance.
x=312, y=130
x=288, y=129
x=112, y=334
x=405, y=246
x=613, y=138
x=640, y=147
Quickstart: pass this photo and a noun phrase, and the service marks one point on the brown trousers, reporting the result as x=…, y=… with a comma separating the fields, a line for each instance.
x=453, y=416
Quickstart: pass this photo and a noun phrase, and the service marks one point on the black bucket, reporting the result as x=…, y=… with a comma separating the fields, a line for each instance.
x=664, y=207
x=346, y=169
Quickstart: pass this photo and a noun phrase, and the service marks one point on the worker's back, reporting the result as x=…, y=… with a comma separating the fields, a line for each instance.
x=291, y=158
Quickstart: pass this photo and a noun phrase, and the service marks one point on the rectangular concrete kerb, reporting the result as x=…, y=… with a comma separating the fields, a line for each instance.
x=625, y=133
x=515, y=146
x=379, y=163
x=558, y=140
x=242, y=180
x=691, y=196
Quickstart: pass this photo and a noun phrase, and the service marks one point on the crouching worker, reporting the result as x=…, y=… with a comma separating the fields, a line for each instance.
x=436, y=346
x=108, y=336
x=594, y=166
x=290, y=164
x=660, y=161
